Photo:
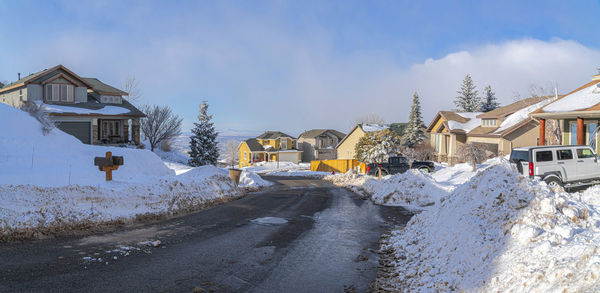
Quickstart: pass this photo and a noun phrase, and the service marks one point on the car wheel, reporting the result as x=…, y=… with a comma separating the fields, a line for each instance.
x=554, y=184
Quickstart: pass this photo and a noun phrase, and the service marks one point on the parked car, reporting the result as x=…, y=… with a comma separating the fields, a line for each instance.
x=568, y=166
x=399, y=164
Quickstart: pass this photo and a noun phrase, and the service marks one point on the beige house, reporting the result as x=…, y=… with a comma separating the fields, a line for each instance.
x=90, y=110
x=319, y=144
x=345, y=149
x=577, y=113
x=509, y=127
x=448, y=131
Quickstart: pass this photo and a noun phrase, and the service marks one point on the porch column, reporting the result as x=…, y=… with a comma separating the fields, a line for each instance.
x=135, y=131
x=580, y=132
x=542, y=132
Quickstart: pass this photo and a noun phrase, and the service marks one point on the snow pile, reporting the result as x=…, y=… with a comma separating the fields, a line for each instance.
x=58, y=159
x=180, y=146
x=582, y=99
x=49, y=182
x=30, y=208
x=300, y=173
x=501, y=232
x=252, y=180
x=413, y=189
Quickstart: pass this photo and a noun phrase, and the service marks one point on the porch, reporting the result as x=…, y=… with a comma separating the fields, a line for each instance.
x=580, y=130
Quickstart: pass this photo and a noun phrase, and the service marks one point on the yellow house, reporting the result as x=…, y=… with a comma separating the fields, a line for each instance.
x=345, y=149
x=271, y=146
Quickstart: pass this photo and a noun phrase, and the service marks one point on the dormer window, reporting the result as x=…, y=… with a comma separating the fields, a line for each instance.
x=110, y=99
x=489, y=122
x=59, y=93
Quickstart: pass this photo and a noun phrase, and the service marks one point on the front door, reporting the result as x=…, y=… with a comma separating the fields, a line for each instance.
x=112, y=131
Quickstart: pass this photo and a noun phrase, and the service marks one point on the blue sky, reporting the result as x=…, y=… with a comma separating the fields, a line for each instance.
x=297, y=65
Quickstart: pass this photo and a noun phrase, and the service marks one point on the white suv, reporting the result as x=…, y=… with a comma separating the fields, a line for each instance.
x=569, y=166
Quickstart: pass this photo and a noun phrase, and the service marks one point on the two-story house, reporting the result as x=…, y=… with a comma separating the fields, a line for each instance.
x=319, y=144
x=271, y=146
x=90, y=110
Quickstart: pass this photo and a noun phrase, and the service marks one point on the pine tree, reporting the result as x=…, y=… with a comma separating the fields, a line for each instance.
x=378, y=146
x=415, y=130
x=468, y=100
x=489, y=102
x=203, y=142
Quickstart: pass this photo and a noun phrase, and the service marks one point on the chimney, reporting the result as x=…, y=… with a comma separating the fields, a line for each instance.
x=19, y=75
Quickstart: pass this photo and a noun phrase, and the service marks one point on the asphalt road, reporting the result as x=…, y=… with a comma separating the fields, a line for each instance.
x=321, y=239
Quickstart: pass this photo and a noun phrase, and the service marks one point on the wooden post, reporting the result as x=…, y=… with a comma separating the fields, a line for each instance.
x=542, y=132
x=108, y=164
x=580, y=133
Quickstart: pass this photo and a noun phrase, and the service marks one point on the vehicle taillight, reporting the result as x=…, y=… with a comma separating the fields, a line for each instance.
x=530, y=168
x=368, y=168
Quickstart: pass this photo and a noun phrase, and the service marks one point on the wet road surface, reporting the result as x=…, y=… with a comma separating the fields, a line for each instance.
x=301, y=235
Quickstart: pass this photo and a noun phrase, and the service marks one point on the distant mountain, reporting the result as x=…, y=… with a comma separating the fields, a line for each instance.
x=239, y=132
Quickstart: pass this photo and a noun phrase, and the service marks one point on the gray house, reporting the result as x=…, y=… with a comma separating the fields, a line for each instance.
x=319, y=144
x=90, y=110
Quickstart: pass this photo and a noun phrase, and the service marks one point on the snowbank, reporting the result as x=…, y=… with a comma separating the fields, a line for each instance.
x=413, y=189
x=50, y=181
x=252, y=180
x=501, y=232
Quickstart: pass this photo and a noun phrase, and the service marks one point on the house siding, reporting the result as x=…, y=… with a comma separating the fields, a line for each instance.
x=346, y=150
x=244, y=155
x=15, y=97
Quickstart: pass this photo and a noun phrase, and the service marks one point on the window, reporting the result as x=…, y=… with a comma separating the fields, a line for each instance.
x=59, y=92
x=543, y=156
x=584, y=153
x=564, y=154
x=284, y=144
x=517, y=156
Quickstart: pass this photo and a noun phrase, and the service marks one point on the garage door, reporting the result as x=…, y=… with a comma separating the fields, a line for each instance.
x=289, y=157
x=80, y=130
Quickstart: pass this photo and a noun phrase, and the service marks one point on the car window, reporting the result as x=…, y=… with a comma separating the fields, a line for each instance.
x=395, y=160
x=543, y=156
x=564, y=154
x=519, y=156
x=403, y=160
x=584, y=153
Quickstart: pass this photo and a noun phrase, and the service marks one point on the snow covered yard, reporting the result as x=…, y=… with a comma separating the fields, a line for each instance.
x=488, y=231
x=49, y=182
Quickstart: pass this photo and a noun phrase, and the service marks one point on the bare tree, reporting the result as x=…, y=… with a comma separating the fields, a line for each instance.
x=472, y=152
x=160, y=124
x=38, y=112
x=230, y=151
x=420, y=152
x=132, y=87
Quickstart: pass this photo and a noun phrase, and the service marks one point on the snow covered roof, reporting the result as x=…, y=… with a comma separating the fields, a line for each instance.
x=106, y=110
x=273, y=135
x=366, y=127
x=468, y=122
x=521, y=115
x=582, y=99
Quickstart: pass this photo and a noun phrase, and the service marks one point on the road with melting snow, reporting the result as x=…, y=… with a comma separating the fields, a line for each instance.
x=300, y=235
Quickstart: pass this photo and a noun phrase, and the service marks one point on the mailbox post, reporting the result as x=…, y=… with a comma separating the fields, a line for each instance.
x=108, y=164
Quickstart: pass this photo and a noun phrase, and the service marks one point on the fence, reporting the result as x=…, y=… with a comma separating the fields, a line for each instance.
x=338, y=166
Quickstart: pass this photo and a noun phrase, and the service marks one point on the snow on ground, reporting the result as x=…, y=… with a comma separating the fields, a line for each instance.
x=50, y=181
x=252, y=180
x=488, y=231
x=299, y=173
x=266, y=167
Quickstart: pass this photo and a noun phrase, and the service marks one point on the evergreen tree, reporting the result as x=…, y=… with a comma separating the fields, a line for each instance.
x=203, y=142
x=415, y=130
x=468, y=100
x=377, y=146
x=489, y=102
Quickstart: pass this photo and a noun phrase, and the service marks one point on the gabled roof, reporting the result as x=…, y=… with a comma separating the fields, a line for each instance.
x=34, y=76
x=273, y=135
x=456, y=121
x=580, y=101
x=514, y=107
x=364, y=127
x=254, y=145
x=316, y=132
x=103, y=88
